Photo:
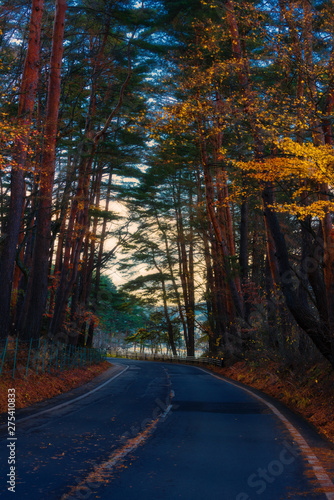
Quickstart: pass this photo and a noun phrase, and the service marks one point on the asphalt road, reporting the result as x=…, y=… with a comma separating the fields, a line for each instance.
x=160, y=431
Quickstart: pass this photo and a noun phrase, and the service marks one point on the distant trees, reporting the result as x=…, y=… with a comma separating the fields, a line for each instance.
x=118, y=313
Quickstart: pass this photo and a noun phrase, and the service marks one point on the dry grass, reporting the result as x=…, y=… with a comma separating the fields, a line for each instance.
x=38, y=387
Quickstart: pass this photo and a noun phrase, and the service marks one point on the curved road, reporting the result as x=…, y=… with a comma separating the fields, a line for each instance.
x=162, y=431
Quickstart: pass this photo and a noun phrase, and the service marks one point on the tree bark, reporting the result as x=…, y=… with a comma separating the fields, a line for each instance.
x=318, y=332
x=41, y=255
x=221, y=240
x=26, y=107
x=80, y=213
x=186, y=272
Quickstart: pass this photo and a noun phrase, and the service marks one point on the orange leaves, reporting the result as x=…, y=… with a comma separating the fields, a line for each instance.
x=37, y=387
x=8, y=136
x=13, y=143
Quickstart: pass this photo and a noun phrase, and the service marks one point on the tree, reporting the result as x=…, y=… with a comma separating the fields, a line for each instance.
x=28, y=89
x=38, y=285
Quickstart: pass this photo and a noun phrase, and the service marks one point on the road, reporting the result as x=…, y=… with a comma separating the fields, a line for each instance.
x=161, y=431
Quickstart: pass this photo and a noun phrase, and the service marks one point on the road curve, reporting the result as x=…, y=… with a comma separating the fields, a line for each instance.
x=163, y=431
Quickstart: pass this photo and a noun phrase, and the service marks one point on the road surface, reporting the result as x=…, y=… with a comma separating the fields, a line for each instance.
x=161, y=431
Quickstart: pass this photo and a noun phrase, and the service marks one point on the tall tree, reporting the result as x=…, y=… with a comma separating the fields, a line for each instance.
x=38, y=286
x=26, y=104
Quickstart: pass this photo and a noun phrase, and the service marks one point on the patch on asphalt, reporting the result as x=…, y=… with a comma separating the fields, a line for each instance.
x=212, y=407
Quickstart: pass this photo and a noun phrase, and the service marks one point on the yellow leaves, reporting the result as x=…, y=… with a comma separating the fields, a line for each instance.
x=298, y=161
x=300, y=169
x=315, y=209
x=315, y=161
x=81, y=205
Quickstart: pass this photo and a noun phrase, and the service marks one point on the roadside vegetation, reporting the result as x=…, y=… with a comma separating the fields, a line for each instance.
x=39, y=387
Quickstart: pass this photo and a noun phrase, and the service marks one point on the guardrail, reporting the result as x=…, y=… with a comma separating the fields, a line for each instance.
x=173, y=359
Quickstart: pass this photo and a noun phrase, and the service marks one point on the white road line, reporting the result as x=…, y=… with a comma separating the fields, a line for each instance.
x=165, y=413
x=320, y=473
x=18, y=421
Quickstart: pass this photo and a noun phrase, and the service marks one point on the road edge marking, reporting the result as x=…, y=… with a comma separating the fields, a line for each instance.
x=66, y=403
x=319, y=471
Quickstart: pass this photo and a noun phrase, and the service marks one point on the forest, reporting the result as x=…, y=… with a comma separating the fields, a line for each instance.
x=186, y=144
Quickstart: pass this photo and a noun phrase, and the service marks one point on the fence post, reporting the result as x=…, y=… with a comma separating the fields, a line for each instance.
x=37, y=354
x=15, y=354
x=28, y=357
x=4, y=354
x=69, y=358
x=51, y=351
x=74, y=357
x=57, y=355
x=44, y=352
x=61, y=357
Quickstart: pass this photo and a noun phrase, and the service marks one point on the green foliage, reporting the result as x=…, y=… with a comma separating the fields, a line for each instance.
x=155, y=333
x=118, y=311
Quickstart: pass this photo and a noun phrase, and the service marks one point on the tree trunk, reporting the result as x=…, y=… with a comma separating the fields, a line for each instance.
x=170, y=330
x=173, y=279
x=186, y=270
x=219, y=234
x=41, y=255
x=26, y=106
x=318, y=332
x=79, y=214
